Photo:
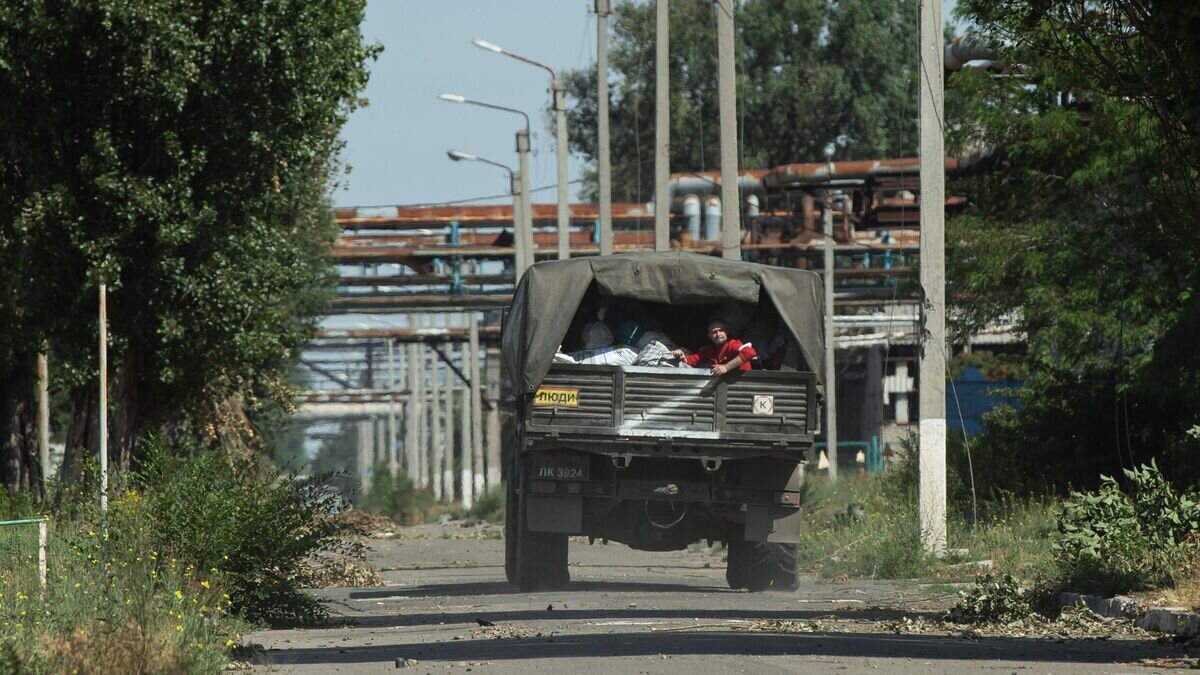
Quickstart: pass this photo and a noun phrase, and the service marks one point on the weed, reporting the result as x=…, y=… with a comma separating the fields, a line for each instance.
x=489, y=506
x=398, y=498
x=257, y=525
x=1114, y=541
x=868, y=527
x=993, y=599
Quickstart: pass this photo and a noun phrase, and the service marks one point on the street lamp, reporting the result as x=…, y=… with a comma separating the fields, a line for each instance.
x=560, y=129
x=525, y=232
x=516, y=181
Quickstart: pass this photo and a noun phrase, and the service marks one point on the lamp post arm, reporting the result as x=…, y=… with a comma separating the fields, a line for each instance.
x=502, y=108
x=497, y=164
x=523, y=59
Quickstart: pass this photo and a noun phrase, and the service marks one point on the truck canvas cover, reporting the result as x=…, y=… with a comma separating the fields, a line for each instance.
x=549, y=294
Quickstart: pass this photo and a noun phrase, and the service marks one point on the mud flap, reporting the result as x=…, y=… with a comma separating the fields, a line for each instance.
x=775, y=524
x=554, y=514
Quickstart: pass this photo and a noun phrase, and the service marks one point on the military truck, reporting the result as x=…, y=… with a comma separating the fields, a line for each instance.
x=660, y=457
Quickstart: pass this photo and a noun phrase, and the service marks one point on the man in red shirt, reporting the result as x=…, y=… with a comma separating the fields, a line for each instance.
x=724, y=354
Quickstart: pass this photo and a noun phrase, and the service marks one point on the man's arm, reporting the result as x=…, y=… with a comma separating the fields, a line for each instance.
x=722, y=368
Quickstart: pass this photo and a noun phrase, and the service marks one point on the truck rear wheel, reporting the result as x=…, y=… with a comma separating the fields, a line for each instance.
x=541, y=557
x=758, y=566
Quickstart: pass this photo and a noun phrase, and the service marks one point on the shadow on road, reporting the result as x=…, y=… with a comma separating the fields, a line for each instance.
x=504, y=588
x=920, y=647
x=564, y=614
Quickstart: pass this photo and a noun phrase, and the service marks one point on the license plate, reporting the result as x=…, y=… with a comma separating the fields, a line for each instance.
x=563, y=467
x=556, y=396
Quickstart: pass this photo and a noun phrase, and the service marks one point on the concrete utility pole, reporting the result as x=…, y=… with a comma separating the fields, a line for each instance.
x=103, y=398
x=476, y=419
x=493, y=418
x=464, y=430
x=390, y=448
x=662, y=126
x=365, y=453
x=442, y=473
x=435, y=421
x=560, y=155
x=43, y=391
x=414, y=434
x=526, y=200
x=731, y=221
x=932, y=404
x=520, y=256
x=831, y=436
x=379, y=427
x=604, y=167
x=438, y=412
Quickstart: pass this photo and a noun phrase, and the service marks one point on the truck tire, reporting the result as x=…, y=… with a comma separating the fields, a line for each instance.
x=541, y=557
x=759, y=566
x=511, y=531
x=735, y=565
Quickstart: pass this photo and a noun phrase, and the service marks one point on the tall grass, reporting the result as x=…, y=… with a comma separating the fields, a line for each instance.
x=879, y=537
x=115, y=601
x=191, y=551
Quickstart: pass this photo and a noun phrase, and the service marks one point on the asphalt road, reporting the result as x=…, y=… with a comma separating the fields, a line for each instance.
x=633, y=612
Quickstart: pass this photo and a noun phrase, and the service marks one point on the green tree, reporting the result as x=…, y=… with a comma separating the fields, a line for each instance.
x=182, y=153
x=809, y=72
x=1087, y=229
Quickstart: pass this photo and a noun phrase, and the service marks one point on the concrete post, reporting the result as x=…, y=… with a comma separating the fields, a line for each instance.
x=416, y=386
x=476, y=418
x=43, y=418
x=380, y=458
x=365, y=455
x=526, y=200
x=932, y=402
x=520, y=257
x=493, y=418
x=831, y=435
x=463, y=420
x=436, y=413
x=103, y=422
x=662, y=126
x=561, y=151
x=410, y=427
x=390, y=447
x=603, y=162
x=731, y=222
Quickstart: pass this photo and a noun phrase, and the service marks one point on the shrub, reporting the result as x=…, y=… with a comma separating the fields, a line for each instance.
x=398, y=498
x=257, y=525
x=992, y=600
x=489, y=506
x=1112, y=541
x=114, y=602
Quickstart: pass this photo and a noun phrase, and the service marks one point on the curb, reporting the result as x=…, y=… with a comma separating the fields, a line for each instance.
x=1175, y=620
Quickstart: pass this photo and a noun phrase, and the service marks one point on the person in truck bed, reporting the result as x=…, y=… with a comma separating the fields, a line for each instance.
x=724, y=354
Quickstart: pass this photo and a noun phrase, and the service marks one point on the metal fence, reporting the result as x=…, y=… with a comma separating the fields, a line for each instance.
x=22, y=557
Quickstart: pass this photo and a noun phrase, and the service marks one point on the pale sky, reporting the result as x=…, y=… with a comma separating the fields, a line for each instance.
x=397, y=145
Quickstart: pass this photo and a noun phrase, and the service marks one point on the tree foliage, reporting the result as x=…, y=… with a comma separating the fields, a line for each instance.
x=1088, y=230
x=809, y=73
x=182, y=153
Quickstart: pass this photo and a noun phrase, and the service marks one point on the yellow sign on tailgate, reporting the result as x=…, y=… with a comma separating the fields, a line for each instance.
x=556, y=396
